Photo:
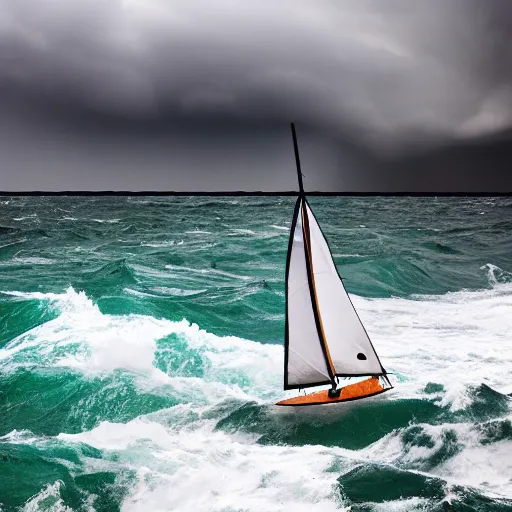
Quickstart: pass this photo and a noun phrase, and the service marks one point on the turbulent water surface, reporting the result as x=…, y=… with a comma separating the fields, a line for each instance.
x=141, y=353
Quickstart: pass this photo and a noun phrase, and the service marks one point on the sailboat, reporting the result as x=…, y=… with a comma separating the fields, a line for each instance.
x=325, y=341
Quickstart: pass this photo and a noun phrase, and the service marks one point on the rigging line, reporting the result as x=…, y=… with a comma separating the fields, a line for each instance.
x=298, y=289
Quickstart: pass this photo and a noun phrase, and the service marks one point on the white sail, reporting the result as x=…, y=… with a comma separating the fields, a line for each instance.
x=306, y=363
x=348, y=345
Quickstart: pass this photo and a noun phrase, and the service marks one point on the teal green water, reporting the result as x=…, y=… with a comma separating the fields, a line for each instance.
x=141, y=355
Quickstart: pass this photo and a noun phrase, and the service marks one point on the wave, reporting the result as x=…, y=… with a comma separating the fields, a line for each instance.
x=211, y=271
x=236, y=232
x=441, y=248
x=222, y=471
x=164, y=243
x=26, y=217
x=164, y=291
x=83, y=338
x=185, y=402
x=496, y=275
x=411, y=491
x=226, y=470
x=456, y=367
x=114, y=274
x=6, y=230
x=34, y=260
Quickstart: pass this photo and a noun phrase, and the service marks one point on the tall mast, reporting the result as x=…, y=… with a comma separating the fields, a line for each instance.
x=297, y=159
x=309, y=264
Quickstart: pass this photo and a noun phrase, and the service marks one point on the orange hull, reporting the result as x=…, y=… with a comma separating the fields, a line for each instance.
x=363, y=389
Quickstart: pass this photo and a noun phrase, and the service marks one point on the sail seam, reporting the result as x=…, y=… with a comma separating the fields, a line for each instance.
x=297, y=290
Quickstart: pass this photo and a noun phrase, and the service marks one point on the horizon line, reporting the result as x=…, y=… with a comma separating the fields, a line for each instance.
x=250, y=193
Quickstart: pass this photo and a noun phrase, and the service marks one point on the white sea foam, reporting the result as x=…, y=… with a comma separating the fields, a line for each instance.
x=211, y=471
x=138, y=293
x=403, y=505
x=466, y=467
x=463, y=468
x=34, y=260
x=13, y=243
x=49, y=498
x=178, y=292
x=209, y=271
x=85, y=339
x=19, y=437
x=26, y=217
x=456, y=340
x=236, y=232
x=496, y=275
x=349, y=255
x=165, y=243
x=164, y=291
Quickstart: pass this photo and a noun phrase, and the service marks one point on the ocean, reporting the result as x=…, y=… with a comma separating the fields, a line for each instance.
x=141, y=354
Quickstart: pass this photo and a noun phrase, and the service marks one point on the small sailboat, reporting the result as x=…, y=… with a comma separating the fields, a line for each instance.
x=325, y=340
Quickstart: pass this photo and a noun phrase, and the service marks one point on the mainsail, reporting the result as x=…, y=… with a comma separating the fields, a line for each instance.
x=324, y=337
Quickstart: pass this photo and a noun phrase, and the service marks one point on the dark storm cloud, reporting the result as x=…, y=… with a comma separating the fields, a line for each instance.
x=197, y=95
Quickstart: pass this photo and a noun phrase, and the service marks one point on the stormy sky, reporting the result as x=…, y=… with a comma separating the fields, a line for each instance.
x=198, y=95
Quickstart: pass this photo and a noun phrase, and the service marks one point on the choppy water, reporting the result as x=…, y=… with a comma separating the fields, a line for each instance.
x=141, y=354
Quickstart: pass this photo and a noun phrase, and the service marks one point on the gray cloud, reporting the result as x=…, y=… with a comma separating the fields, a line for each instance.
x=387, y=67
x=389, y=76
